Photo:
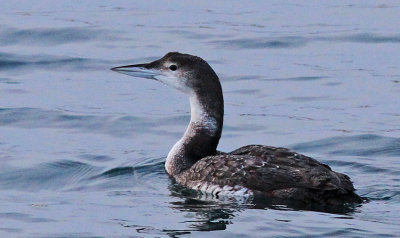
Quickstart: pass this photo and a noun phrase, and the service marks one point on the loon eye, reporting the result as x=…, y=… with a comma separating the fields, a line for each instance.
x=173, y=67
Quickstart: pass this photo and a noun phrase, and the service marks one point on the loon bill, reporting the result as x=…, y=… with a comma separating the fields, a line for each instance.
x=252, y=170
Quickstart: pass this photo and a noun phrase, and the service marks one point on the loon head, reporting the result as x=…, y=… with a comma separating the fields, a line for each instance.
x=187, y=73
x=195, y=77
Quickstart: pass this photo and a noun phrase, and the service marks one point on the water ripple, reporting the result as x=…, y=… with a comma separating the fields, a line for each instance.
x=51, y=36
x=14, y=61
x=116, y=126
x=24, y=217
x=261, y=78
x=361, y=166
x=143, y=177
x=258, y=43
x=364, y=38
x=53, y=175
x=360, y=145
x=145, y=167
x=300, y=41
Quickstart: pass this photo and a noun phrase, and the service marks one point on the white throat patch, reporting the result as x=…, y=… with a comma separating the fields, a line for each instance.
x=199, y=116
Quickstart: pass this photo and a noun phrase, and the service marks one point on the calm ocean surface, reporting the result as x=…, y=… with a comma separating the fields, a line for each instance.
x=82, y=148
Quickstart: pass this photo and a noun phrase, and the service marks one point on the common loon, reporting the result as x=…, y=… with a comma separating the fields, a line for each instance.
x=252, y=170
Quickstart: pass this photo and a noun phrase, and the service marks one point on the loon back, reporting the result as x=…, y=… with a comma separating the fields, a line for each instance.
x=253, y=170
x=265, y=171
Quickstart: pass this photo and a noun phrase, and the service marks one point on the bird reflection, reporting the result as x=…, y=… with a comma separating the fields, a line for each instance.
x=210, y=213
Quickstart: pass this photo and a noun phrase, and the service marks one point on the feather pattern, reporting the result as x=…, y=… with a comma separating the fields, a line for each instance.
x=260, y=170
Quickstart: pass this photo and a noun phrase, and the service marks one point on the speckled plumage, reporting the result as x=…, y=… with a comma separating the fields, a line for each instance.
x=271, y=172
x=253, y=170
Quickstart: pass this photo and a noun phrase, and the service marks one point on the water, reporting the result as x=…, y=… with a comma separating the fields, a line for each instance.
x=82, y=148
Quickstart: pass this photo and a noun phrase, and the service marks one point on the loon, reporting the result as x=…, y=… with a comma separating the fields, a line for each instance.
x=252, y=170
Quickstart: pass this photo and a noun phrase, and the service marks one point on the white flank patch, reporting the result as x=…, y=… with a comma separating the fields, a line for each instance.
x=217, y=190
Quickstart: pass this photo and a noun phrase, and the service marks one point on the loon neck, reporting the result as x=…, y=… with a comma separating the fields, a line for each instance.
x=202, y=134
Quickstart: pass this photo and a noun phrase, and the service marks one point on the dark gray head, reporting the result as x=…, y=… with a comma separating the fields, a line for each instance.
x=187, y=73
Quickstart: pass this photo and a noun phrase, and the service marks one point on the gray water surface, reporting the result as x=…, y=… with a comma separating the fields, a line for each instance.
x=82, y=148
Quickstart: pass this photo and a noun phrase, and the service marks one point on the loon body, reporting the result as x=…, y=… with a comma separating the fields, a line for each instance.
x=252, y=170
